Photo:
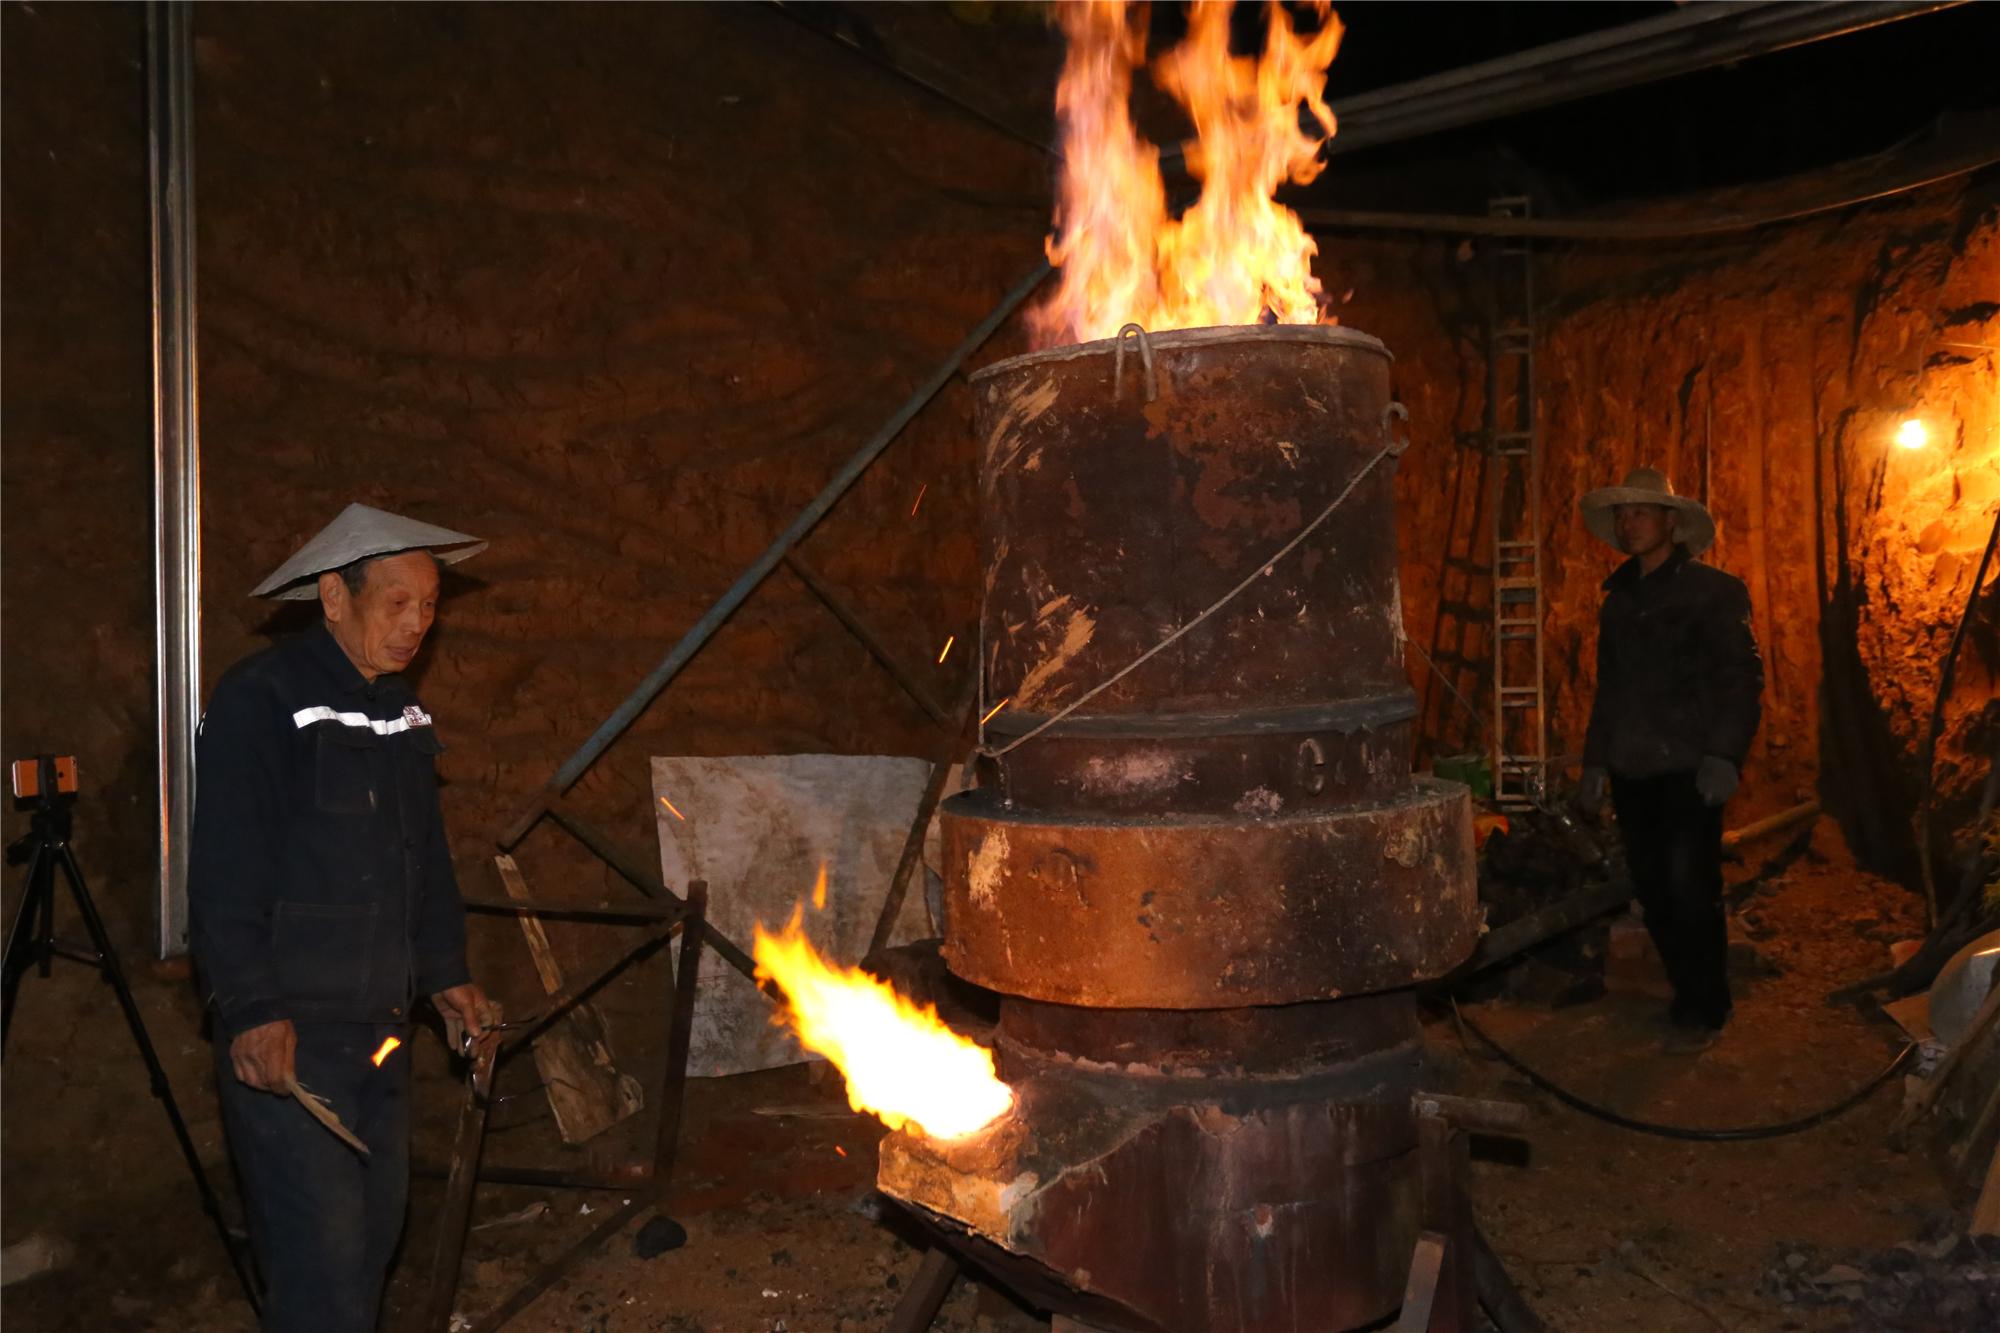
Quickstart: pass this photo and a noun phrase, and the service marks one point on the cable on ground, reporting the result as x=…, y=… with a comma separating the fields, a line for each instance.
x=1737, y=1135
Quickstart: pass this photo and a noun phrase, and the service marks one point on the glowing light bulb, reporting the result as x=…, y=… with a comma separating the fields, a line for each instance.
x=1912, y=435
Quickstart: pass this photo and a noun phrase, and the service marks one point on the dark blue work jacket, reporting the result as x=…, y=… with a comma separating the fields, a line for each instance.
x=1679, y=676
x=320, y=886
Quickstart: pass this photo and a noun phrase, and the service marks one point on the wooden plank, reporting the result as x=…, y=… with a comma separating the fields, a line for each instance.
x=1777, y=823
x=1420, y=1292
x=456, y=1214
x=1444, y=1161
x=924, y=1297
x=586, y=1091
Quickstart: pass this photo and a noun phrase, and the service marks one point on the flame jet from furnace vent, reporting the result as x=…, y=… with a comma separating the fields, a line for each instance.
x=901, y=1063
x=1235, y=256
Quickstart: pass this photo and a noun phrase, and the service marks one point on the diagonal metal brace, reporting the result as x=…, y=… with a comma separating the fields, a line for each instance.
x=739, y=592
x=646, y=882
x=861, y=630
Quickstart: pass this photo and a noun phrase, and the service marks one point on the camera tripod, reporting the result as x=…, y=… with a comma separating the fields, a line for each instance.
x=31, y=942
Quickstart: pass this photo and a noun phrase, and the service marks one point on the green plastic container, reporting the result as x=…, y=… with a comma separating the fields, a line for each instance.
x=1471, y=769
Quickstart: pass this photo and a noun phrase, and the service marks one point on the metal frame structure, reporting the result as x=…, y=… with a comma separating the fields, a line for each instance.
x=176, y=453
x=668, y=1102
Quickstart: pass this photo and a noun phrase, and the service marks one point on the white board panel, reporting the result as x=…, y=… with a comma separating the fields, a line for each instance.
x=757, y=828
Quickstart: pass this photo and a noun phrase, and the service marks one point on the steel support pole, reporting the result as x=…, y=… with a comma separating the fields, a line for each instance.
x=176, y=454
x=1692, y=38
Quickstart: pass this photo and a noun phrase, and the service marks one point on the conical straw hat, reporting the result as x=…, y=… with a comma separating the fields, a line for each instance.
x=358, y=533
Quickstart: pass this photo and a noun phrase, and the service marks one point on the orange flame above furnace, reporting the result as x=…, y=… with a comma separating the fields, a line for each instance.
x=1235, y=256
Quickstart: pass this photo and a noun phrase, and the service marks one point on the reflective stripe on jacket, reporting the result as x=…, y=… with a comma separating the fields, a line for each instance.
x=320, y=884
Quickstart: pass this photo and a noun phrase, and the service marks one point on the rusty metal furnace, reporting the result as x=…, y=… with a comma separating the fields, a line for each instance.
x=1204, y=894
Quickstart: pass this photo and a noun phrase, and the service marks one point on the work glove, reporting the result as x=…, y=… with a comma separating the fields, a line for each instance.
x=1716, y=780
x=1590, y=790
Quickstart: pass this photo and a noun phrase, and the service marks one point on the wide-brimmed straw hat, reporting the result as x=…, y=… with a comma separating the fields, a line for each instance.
x=361, y=532
x=1694, y=529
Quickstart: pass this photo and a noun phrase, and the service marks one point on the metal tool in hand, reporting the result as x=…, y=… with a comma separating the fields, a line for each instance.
x=466, y=1039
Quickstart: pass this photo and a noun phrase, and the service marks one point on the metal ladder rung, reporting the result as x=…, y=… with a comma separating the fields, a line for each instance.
x=1513, y=448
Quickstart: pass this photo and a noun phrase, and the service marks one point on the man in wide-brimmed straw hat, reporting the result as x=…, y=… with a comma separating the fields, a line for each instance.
x=323, y=905
x=1678, y=686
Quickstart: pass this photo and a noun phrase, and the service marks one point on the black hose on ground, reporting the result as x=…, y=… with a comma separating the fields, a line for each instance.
x=1737, y=1135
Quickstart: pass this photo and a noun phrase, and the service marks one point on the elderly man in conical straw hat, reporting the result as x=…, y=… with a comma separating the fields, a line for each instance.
x=322, y=905
x=1678, y=686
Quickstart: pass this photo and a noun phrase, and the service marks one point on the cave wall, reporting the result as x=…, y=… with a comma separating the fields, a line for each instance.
x=76, y=471
x=614, y=287
x=1766, y=373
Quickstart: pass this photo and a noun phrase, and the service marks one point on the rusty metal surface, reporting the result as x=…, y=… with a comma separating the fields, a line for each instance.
x=1167, y=1207
x=1213, y=912
x=1300, y=758
x=1110, y=520
x=1264, y=1041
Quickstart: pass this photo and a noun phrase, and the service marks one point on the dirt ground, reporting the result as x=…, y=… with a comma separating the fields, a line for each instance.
x=1603, y=1229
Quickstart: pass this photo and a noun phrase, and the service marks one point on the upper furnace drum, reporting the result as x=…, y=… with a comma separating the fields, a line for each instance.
x=1234, y=822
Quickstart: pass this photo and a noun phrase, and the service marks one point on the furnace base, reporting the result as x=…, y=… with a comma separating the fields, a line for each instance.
x=1219, y=1201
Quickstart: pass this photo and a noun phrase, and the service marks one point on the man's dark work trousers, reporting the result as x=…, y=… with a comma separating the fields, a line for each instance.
x=1673, y=844
x=324, y=1220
